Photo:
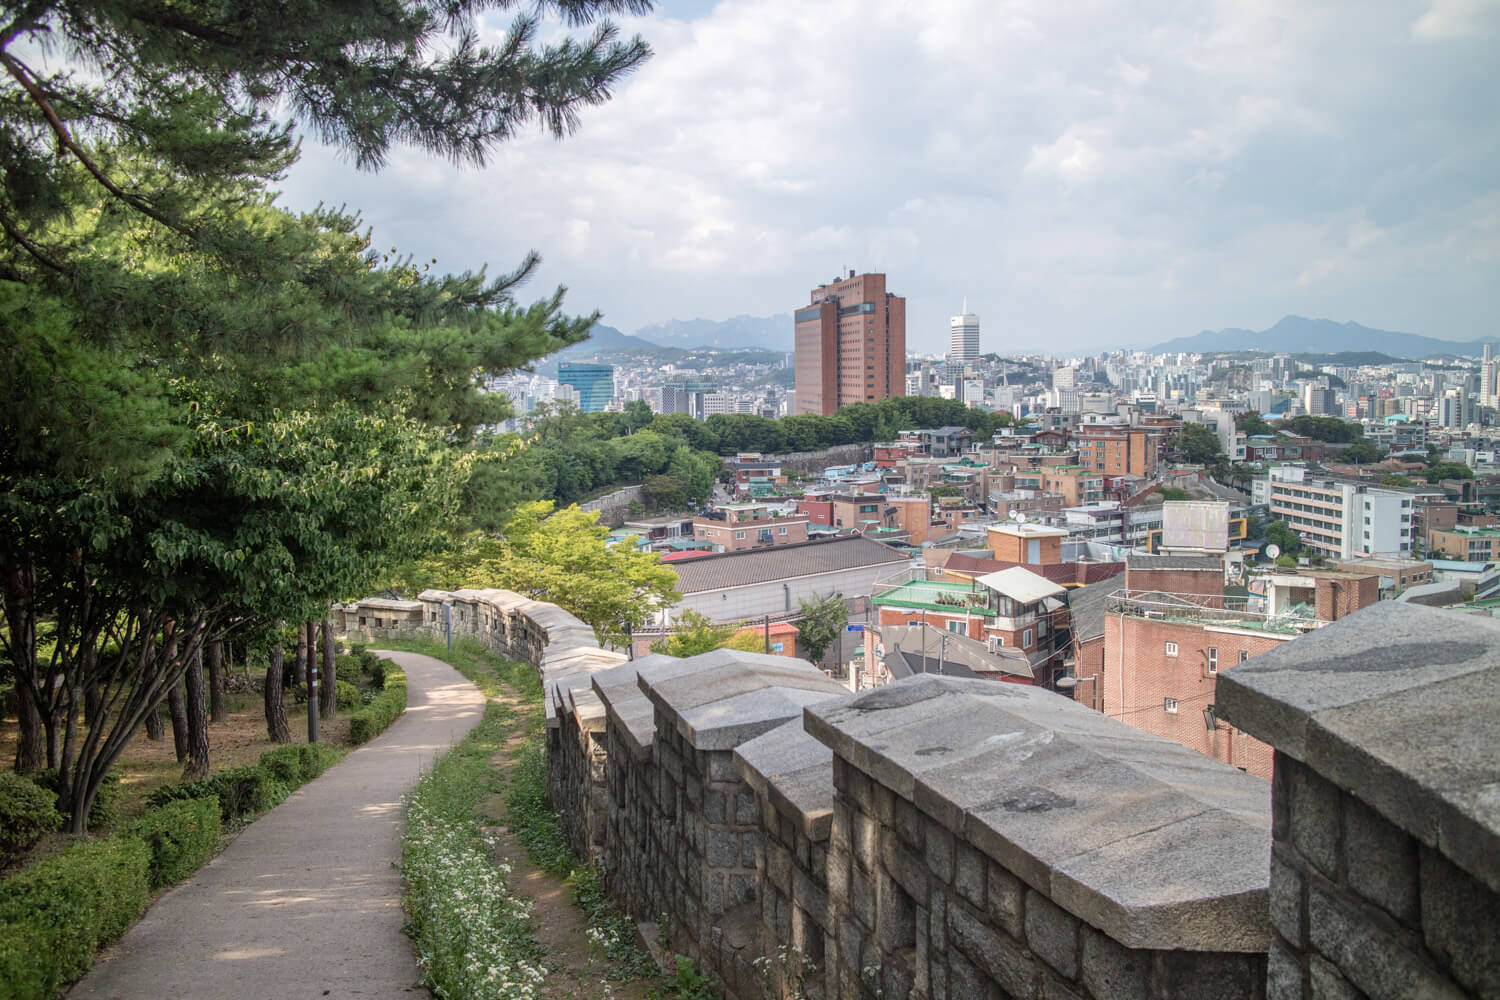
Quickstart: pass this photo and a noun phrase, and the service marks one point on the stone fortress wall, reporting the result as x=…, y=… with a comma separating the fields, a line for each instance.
x=948, y=838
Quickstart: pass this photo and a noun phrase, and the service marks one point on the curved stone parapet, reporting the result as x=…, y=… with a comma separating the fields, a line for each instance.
x=941, y=837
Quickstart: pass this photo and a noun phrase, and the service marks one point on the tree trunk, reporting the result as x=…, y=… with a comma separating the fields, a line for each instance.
x=91, y=703
x=328, y=695
x=154, y=730
x=249, y=684
x=218, y=680
x=177, y=709
x=197, y=720
x=276, y=724
x=31, y=750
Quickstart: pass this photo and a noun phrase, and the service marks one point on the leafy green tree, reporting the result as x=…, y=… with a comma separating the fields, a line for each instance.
x=1395, y=479
x=637, y=415
x=1284, y=536
x=249, y=378
x=1438, y=471
x=823, y=621
x=1253, y=423
x=561, y=557
x=1334, y=430
x=1197, y=445
x=1361, y=453
x=1173, y=493
x=693, y=633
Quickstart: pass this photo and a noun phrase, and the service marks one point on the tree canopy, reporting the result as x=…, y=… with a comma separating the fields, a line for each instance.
x=218, y=414
x=1198, y=445
x=823, y=620
x=1334, y=430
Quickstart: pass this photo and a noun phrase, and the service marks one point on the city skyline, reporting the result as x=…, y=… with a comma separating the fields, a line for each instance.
x=1154, y=175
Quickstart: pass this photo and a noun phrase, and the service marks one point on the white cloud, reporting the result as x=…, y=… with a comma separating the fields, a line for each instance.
x=1106, y=170
x=1450, y=19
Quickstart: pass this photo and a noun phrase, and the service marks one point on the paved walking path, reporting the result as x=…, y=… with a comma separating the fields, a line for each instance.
x=306, y=902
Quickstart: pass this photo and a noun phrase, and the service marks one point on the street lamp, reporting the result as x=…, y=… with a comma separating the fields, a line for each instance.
x=1069, y=683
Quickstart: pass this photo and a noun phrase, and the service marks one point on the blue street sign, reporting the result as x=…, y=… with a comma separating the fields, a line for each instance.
x=854, y=628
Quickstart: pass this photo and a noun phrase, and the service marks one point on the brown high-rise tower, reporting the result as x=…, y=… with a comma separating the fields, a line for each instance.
x=851, y=344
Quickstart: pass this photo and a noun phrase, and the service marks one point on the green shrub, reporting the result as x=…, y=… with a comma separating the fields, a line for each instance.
x=284, y=764
x=376, y=669
x=28, y=812
x=22, y=976
x=63, y=908
x=346, y=695
x=106, y=807
x=371, y=720
x=181, y=835
x=297, y=763
x=241, y=791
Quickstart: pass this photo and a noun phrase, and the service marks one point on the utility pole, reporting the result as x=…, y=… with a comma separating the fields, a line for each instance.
x=768, y=634
x=312, y=683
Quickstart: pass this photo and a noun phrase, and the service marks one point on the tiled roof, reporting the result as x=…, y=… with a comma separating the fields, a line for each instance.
x=783, y=562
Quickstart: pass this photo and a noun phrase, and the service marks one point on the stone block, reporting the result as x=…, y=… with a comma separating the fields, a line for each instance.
x=895, y=915
x=862, y=897
x=968, y=874
x=1380, y=861
x=964, y=981
x=1286, y=900
x=744, y=808
x=1283, y=973
x=1052, y=933
x=908, y=822
x=1363, y=943
x=1110, y=971
x=1197, y=975
x=1325, y=983
x=1461, y=923
x=864, y=834
x=1013, y=968
x=1003, y=895
x=937, y=849
x=714, y=807
x=1315, y=815
x=905, y=866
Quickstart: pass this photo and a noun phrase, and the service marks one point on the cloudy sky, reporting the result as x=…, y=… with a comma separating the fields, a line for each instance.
x=1087, y=173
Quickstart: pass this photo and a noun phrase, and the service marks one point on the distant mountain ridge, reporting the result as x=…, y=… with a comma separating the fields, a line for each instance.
x=772, y=333
x=1298, y=335
x=607, y=340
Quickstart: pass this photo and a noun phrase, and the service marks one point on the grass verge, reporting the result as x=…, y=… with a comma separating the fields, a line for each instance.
x=527, y=811
x=472, y=935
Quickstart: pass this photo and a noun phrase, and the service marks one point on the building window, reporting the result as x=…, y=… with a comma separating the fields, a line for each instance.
x=1169, y=705
x=1026, y=639
x=1171, y=649
x=739, y=534
x=954, y=625
x=1244, y=655
x=780, y=531
x=1213, y=659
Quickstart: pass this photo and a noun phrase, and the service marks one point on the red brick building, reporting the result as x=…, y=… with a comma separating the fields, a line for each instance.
x=850, y=344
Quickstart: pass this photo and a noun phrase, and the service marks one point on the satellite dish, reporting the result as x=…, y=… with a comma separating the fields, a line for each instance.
x=1020, y=517
x=1273, y=550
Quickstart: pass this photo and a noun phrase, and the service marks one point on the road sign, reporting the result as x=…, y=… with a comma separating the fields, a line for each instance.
x=854, y=628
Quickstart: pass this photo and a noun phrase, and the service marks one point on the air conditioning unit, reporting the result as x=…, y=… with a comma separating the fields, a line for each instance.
x=995, y=645
x=1158, y=615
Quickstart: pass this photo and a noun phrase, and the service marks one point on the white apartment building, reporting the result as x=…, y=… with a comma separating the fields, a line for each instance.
x=1341, y=518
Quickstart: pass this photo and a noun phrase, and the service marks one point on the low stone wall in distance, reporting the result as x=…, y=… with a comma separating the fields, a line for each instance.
x=948, y=838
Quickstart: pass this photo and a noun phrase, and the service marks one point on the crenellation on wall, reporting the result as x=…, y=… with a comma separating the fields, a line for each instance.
x=945, y=838
x=1385, y=878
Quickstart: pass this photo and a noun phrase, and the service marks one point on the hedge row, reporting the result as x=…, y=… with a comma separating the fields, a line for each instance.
x=57, y=913
x=370, y=721
x=28, y=812
x=181, y=837
x=244, y=791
